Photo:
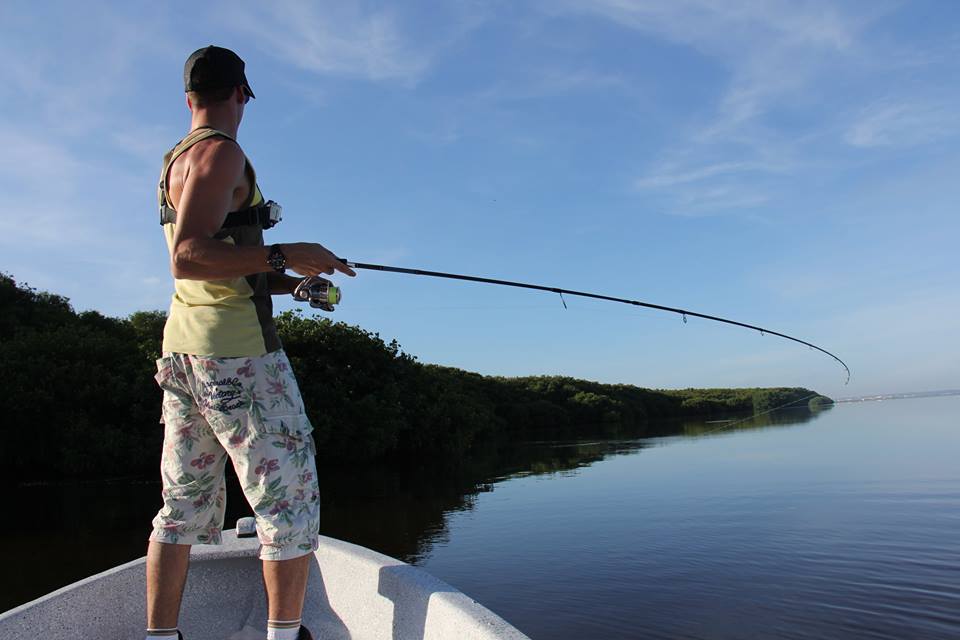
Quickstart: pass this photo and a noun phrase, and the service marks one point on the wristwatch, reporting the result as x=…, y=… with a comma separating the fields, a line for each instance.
x=276, y=259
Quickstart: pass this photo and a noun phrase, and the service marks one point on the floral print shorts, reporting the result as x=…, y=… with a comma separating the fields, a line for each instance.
x=250, y=411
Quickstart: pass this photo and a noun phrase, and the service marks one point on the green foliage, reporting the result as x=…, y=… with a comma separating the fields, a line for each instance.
x=782, y=397
x=26, y=307
x=80, y=399
x=351, y=382
x=819, y=403
x=367, y=399
x=147, y=327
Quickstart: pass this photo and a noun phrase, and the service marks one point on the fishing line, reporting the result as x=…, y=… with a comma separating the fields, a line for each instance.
x=734, y=423
x=583, y=294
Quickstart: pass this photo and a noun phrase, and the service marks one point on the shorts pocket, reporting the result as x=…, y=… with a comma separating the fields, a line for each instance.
x=164, y=367
x=294, y=430
x=173, y=381
x=169, y=376
x=294, y=425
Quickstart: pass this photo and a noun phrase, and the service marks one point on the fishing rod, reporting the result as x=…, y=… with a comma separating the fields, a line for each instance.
x=583, y=294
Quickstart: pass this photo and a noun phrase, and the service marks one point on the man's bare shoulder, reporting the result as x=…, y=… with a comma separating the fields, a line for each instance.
x=220, y=157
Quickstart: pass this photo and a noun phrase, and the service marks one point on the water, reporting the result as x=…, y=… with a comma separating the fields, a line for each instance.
x=843, y=525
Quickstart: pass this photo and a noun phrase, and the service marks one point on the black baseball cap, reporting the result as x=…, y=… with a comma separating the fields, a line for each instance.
x=214, y=68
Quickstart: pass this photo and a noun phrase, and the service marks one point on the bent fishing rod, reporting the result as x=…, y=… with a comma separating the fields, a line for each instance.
x=561, y=292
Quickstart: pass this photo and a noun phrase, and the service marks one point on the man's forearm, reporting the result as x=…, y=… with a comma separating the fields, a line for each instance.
x=203, y=258
x=218, y=260
x=209, y=259
x=281, y=283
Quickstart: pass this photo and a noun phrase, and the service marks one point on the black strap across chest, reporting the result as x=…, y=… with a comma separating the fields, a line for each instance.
x=255, y=215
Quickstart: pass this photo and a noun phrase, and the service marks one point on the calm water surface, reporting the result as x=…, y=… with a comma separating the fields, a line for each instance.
x=843, y=525
x=846, y=526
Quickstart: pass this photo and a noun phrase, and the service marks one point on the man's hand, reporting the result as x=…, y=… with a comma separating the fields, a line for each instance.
x=312, y=259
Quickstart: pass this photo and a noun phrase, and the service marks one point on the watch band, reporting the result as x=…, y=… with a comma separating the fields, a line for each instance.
x=276, y=259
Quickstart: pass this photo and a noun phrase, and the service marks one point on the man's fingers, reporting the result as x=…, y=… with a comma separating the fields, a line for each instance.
x=342, y=268
x=316, y=259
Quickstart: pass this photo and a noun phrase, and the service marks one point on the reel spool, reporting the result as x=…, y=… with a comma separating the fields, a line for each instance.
x=320, y=294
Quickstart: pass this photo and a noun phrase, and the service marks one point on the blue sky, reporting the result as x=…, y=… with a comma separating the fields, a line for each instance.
x=787, y=164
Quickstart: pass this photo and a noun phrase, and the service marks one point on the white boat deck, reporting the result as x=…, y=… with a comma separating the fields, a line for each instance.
x=353, y=593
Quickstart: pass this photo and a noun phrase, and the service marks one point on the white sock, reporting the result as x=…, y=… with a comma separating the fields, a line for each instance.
x=283, y=629
x=162, y=634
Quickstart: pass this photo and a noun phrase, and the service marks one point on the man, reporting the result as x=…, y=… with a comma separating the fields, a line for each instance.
x=229, y=392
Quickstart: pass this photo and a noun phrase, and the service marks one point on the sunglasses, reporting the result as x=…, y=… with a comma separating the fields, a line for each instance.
x=246, y=95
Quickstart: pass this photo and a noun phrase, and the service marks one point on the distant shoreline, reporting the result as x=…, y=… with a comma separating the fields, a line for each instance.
x=901, y=396
x=90, y=381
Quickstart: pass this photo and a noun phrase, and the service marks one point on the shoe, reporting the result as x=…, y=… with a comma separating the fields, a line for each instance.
x=304, y=634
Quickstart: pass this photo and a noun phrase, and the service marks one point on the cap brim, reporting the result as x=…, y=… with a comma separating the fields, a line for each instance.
x=246, y=85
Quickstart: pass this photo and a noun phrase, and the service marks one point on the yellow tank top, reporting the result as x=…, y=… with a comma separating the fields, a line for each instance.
x=219, y=318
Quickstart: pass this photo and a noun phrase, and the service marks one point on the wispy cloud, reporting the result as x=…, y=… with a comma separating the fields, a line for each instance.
x=511, y=93
x=768, y=48
x=543, y=82
x=689, y=188
x=772, y=52
x=701, y=23
x=889, y=123
x=342, y=39
x=714, y=198
x=670, y=176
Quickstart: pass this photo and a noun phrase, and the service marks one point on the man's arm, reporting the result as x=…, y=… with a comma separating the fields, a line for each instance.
x=281, y=283
x=216, y=169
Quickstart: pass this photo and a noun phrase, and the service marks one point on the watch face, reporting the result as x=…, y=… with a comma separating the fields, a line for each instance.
x=276, y=259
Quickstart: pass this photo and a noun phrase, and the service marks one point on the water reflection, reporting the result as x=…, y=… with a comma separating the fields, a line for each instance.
x=781, y=418
x=86, y=528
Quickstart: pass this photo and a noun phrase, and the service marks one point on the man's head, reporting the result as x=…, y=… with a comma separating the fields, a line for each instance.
x=214, y=75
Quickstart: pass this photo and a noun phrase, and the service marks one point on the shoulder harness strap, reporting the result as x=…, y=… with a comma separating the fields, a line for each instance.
x=267, y=214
